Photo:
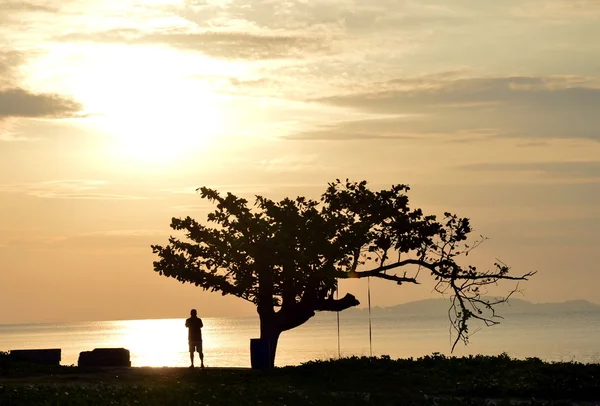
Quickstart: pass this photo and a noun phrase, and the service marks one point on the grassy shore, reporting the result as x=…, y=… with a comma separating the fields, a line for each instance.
x=431, y=380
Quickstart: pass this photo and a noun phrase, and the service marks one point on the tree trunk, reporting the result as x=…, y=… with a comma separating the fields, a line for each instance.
x=270, y=332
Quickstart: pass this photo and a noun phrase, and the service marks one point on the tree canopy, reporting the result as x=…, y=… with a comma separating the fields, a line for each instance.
x=287, y=256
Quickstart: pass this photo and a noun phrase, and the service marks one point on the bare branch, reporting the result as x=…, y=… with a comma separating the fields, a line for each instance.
x=376, y=274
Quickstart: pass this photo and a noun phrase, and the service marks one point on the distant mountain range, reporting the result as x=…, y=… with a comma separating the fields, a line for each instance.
x=440, y=307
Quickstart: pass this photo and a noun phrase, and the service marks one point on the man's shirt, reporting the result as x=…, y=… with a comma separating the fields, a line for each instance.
x=194, y=325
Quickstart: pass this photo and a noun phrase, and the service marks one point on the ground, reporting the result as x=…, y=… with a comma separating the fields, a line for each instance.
x=432, y=380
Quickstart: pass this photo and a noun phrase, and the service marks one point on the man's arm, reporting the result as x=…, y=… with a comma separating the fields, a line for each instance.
x=201, y=325
x=187, y=323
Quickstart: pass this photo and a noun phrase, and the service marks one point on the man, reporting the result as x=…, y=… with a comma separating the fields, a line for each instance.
x=194, y=325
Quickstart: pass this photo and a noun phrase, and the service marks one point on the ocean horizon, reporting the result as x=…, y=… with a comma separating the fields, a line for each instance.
x=556, y=336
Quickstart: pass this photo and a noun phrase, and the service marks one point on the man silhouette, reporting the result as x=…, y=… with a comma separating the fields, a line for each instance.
x=194, y=325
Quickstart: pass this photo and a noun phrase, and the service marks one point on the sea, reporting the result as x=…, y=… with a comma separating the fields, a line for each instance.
x=556, y=336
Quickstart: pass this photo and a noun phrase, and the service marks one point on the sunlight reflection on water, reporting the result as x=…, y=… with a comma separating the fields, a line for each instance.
x=164, y=342
x=226, y=340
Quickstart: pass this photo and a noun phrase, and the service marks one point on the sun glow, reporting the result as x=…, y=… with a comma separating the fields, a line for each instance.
x=155, y=104
x=158, y=343
x=164, y=127
x=155, y=113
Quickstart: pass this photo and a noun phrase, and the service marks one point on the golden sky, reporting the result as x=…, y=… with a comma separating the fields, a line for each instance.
x=112, y=112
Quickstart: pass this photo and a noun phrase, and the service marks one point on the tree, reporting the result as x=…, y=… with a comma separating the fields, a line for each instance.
x=286, y=257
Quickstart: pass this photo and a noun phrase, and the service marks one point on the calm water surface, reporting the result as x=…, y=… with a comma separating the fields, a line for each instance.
x=552, y=337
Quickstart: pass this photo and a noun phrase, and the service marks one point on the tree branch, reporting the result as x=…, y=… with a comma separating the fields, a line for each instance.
x=380, y=272
x=336, y=305
x=292, y=316
x=431, y=266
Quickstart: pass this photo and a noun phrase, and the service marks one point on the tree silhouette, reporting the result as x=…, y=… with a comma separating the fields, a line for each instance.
x=286, y=257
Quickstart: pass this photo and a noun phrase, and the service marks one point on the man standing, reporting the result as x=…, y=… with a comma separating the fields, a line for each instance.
x=194, y=325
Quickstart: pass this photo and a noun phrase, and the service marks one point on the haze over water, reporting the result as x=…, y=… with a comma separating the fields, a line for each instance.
x=563, y=336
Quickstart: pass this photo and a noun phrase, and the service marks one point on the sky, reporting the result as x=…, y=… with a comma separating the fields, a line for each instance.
x=112, y=113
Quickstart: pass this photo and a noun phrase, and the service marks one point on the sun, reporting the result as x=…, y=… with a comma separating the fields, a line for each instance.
x=172, y=123
x=153, y=104
x=155, y=114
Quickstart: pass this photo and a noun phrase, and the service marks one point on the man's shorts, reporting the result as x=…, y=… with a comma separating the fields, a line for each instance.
x=196, y=346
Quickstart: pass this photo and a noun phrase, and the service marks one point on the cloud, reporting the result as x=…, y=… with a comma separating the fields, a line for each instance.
x=17, y=103
x=9, y=61
x=429, y=93
x=407, y=127
x=26, y=7
x=186, y=190
x=249, y=190
x=236, y=82
x=9, y=137
x=240, y=87
x=193, y=190
x=587, y=170
x=535, y=144
x=103, y=240
x=559, y=10
x=556, y=232
x=21, y=103
x=23, y=14
x=290, y=163
x=512, y=196
x=193, y=207
x=66, y=189
x=8, y=133
x=219, y=44
x=514, y=106
x=354, y=16
x=91, y=196
x=235, y=45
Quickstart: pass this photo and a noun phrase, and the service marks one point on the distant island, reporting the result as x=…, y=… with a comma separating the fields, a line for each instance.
x=437, y=307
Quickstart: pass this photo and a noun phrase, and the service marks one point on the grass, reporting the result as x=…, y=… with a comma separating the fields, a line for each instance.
x=431, y=380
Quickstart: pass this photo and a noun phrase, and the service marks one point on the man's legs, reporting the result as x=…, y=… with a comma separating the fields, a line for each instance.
x=201, y=354
x=191, y=355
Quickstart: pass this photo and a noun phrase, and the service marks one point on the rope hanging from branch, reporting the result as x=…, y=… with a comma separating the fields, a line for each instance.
x=337, y=293
x=369, y=304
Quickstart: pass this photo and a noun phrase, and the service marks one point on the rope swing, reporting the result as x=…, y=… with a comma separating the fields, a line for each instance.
x=337, y=294
x=369, y=304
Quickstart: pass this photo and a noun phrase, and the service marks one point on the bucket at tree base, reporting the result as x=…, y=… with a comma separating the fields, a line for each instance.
x=259, y=353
